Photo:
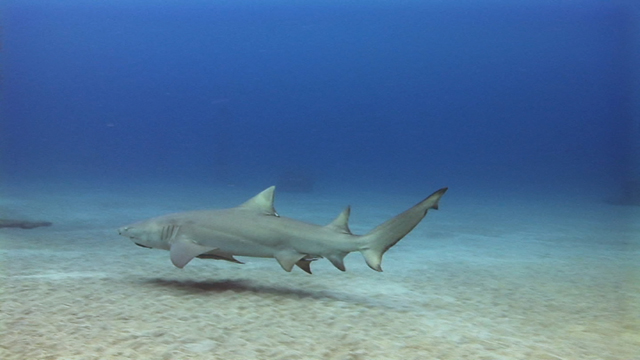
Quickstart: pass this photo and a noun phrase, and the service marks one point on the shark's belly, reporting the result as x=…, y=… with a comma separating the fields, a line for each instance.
x=261, y=236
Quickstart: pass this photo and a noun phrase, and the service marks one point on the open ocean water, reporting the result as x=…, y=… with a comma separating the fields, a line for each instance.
x=117, y=111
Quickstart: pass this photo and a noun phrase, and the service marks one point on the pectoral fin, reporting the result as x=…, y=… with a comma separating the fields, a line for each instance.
x=184, y=250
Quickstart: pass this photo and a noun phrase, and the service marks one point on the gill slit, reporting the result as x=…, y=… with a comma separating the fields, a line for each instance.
x=169, y=232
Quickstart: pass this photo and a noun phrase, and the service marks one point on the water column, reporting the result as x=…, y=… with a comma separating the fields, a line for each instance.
x=634, y=73
x=629, y=63
x=222, y=124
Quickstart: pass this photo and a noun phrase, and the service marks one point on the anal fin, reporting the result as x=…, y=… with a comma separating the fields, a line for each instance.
x=337, y=260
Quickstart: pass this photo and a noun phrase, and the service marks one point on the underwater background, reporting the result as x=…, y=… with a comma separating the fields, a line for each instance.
x=117, y=111
x=347, y=93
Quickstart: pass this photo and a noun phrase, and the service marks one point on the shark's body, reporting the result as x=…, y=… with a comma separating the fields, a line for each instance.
x=255, y=229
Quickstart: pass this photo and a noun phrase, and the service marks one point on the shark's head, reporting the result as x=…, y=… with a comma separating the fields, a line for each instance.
x=147, y=234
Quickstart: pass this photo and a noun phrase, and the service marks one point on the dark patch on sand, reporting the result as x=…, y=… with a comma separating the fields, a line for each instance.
x=22, y=224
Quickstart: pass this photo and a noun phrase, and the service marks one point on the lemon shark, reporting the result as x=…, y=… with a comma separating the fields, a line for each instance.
x=255, y=229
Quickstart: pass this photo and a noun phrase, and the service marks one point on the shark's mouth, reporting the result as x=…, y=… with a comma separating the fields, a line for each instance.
x=144, y=246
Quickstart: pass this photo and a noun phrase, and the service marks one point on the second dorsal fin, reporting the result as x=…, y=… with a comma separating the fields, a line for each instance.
x=341, y=223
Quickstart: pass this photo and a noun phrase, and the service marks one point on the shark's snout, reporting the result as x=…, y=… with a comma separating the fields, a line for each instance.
x=140, y=235
x=127, y=231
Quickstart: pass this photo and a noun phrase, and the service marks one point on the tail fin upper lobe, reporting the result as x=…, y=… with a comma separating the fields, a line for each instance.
x=383, y=237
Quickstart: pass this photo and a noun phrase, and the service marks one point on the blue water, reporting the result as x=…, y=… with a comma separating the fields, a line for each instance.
x=115, y=111
x=412, y=94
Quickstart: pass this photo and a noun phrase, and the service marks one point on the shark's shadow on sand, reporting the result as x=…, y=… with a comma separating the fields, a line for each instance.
x=252, y=287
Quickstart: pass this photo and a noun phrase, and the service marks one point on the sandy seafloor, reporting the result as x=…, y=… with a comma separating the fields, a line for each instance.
x=489, y=276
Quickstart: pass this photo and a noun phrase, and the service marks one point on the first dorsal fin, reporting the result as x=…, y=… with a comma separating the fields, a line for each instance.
x=341, y=223
x=262, y=203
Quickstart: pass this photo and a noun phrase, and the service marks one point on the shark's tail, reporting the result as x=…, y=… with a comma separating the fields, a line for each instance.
x=383, y=237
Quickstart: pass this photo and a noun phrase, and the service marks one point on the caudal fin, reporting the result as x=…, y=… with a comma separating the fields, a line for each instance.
x=383, y=237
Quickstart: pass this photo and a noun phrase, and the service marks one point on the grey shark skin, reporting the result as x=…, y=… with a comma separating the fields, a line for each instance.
x=255, y=229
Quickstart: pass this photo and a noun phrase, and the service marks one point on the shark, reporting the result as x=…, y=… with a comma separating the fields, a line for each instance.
x=255, y=229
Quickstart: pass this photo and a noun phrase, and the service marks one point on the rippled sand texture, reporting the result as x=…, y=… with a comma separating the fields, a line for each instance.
x=476, y=280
